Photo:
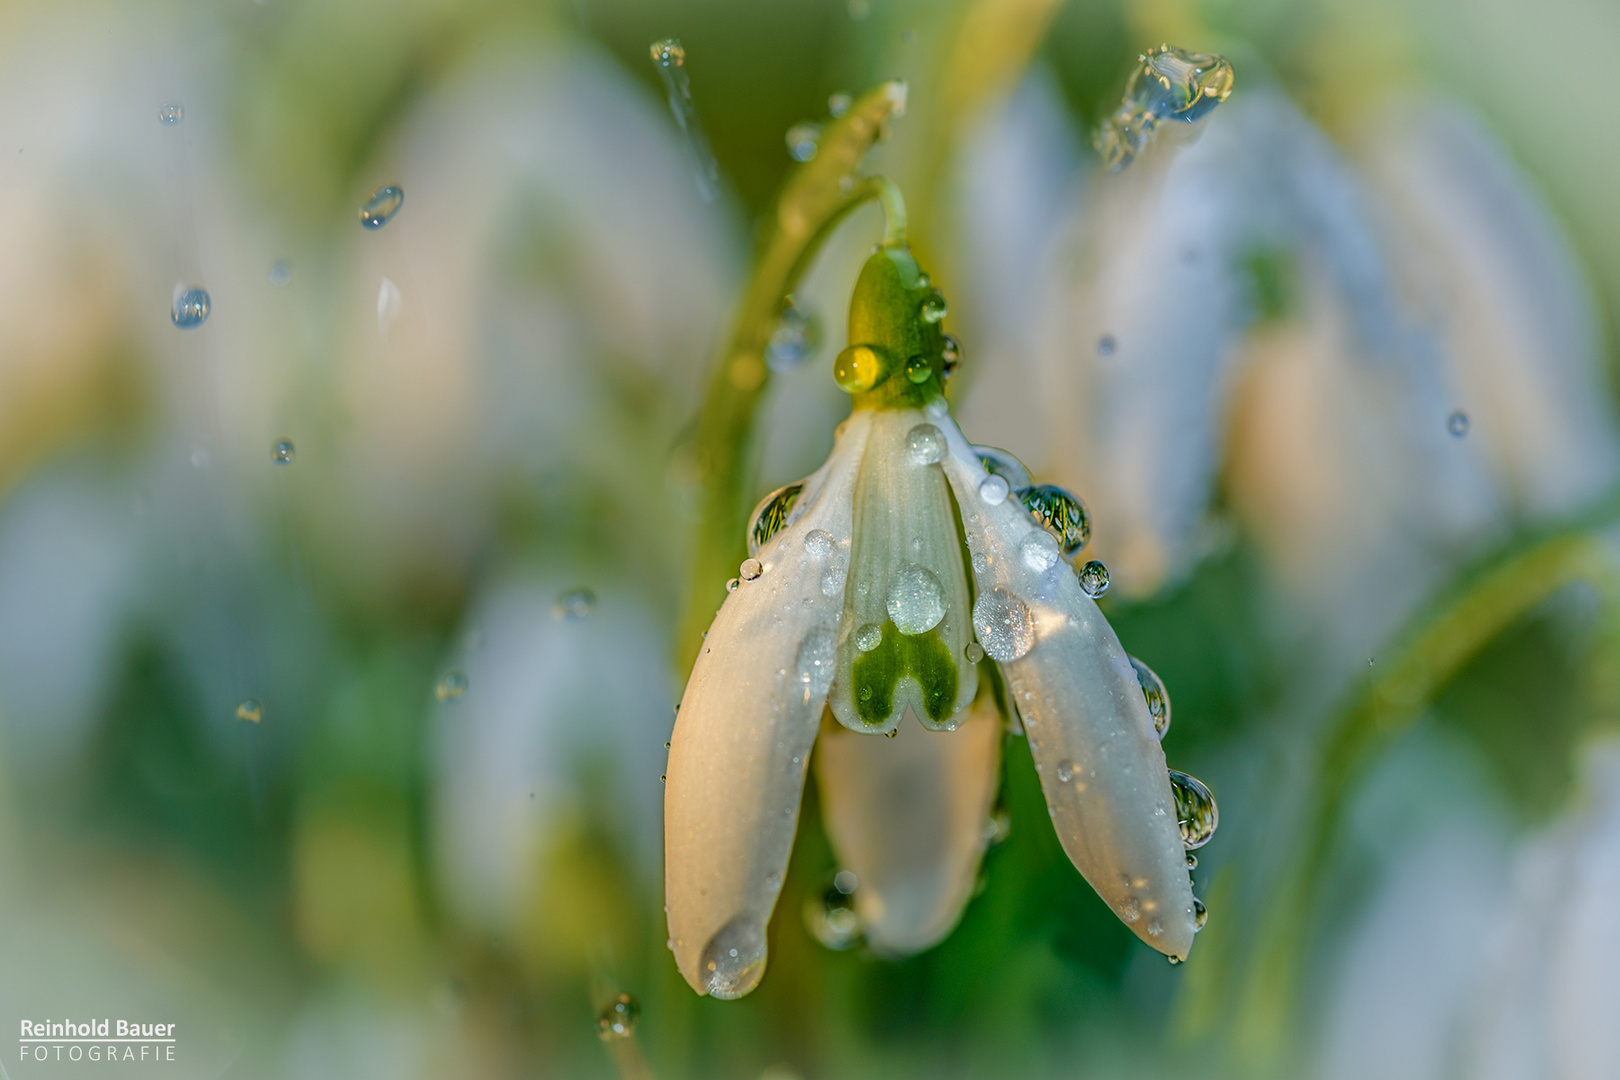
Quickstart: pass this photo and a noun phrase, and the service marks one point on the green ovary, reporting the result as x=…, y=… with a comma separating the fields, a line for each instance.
x=924, y=657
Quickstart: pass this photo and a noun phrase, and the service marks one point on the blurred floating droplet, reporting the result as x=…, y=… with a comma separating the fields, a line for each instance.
x=1158, y=699
x=1060, y=514
x=770, y=515
x=830, y=915
x=190, y=308
x=172, y=113
x=200, y=458
x=1106, y=345
x=617, y=1020
x=280, y=272
x=1195, y=809
x=667, y=53
x=1167, y=84
x=797, y=335
x=1457, y=423
x=249, y=710
x=803, y=140
x=389, y=305
x=838, y=104
x=846, y=882
x=998, y=826
x=1094, y=579
x=451, y=686
x=380, y=209
x=669, y=56
x=573, y=605
x=282, y=451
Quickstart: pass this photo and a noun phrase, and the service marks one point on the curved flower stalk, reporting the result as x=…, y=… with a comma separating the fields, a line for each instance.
x=855, y=603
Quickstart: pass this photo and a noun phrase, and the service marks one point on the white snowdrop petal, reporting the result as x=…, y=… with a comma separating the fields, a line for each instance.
x=907, y=816
x=742, y=739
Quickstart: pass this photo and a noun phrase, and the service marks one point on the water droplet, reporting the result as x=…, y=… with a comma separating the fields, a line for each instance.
x=951, y=356
x=1167, y=84
x=1004, y=465
x=846, y=882
x=380, y=209
x=916, y=599
x=1174, y=960
x=1059, y=513
x=803, y=140
x=1106, y=345
x=859, y=368
x=617, y=1020
x=925, y=444
x=797, y=335
x=817, y=661
x=998, y=827
x=993, y=489
x=282, y=451
x=280, y=272
x=732, y=583
x=973, y=651
x=452, y=686
x=1457, y=424
x=1192, y=861
x=838, y=104
x=1200, y=915
x=190, y=308
x=249, y=710
x=1004, y=626
x=933, y=307
x=667, y=53
x=830, y=915
x=919, y=370
x=1158, y=699
x=1065, y=771
x=733, y=961
x=670, y=58
x=172, y=113
x=832, y=581
x=770, y=515
x=575, y=604
x=1040, y=551
x=1195, y=809
x=1093, y=579
x=869, y=637
x=818, y=543
x=750, y=569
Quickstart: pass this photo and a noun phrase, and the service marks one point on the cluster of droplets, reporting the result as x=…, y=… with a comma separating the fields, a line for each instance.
x=1167, y=84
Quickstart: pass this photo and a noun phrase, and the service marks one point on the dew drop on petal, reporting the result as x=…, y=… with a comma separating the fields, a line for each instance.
x=1065, y=771
x=818, y=543
x=617, y=1020
x=830, y=915
x=993, y=489
x=916, y=599
x=1003, y=624
x=869, y=637
x=733, y=961
x=380, y=209
x=732, y=583
x=797, y=335
x=1039, y=551
x=1158, y=698
x=925, y=444
x=1457, y=424
x=817, y=661
x=770, y=515
x=172, y=113
x=574, y=604
x=1093, y=579
x=832, y=581
x=451, y=686
x=1004, y=465
x=1059, y=513
x=803, y=140
x=250, y=710
x=1200, y=915
x=750, y=569
x=1195, y=809
x=973, y=651
x=190, y=308
x=1192, y=861
x=282, y=451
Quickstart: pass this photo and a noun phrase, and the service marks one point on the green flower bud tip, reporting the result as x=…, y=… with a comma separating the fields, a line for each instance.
x=896, y=355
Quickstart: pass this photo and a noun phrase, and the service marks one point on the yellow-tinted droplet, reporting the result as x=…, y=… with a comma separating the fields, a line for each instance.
x=617, y=1020
x=858, y=369
x=452, y=686
x=249, y=710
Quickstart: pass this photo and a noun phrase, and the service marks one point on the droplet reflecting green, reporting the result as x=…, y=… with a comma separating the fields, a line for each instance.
x=1195, y=809
x=1060, y=514
x=617, y=1020
x=770, y=515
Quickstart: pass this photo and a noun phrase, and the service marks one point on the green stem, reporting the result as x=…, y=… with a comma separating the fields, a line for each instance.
x=817, y=196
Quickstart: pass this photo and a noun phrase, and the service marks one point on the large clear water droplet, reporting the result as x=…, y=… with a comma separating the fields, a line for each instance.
x=1060, y=514
x=803, y=140
x=1004, y=465
x=830, y=914
x=818, y=543
x=617, y=1019
x=859, y=368
x=451, y=686
x=190, y=308
x=282, y=452
x=869, y=637
x=797, y=335
x=1158, y=698
x=770, y=515
x=1167, y=84
x=916, y=599
x=573, y=605
x=250, y=710
x=380, y=209
x=733, y=961
x=1003, y=624
x=1195, y=809
x=973, y=651
x=1039, y=551
x=750, y=569
x=925, y=444
x=1093, y=579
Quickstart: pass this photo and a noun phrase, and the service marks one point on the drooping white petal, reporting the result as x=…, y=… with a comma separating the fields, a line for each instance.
x=907, y=816
x=1102, y=770
x=742, y=737
x=906, y=622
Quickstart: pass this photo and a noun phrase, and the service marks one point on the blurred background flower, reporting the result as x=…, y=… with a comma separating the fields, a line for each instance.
x=340, y=632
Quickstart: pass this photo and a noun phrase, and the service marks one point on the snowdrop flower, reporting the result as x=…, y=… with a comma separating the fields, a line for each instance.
x=857, y=601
